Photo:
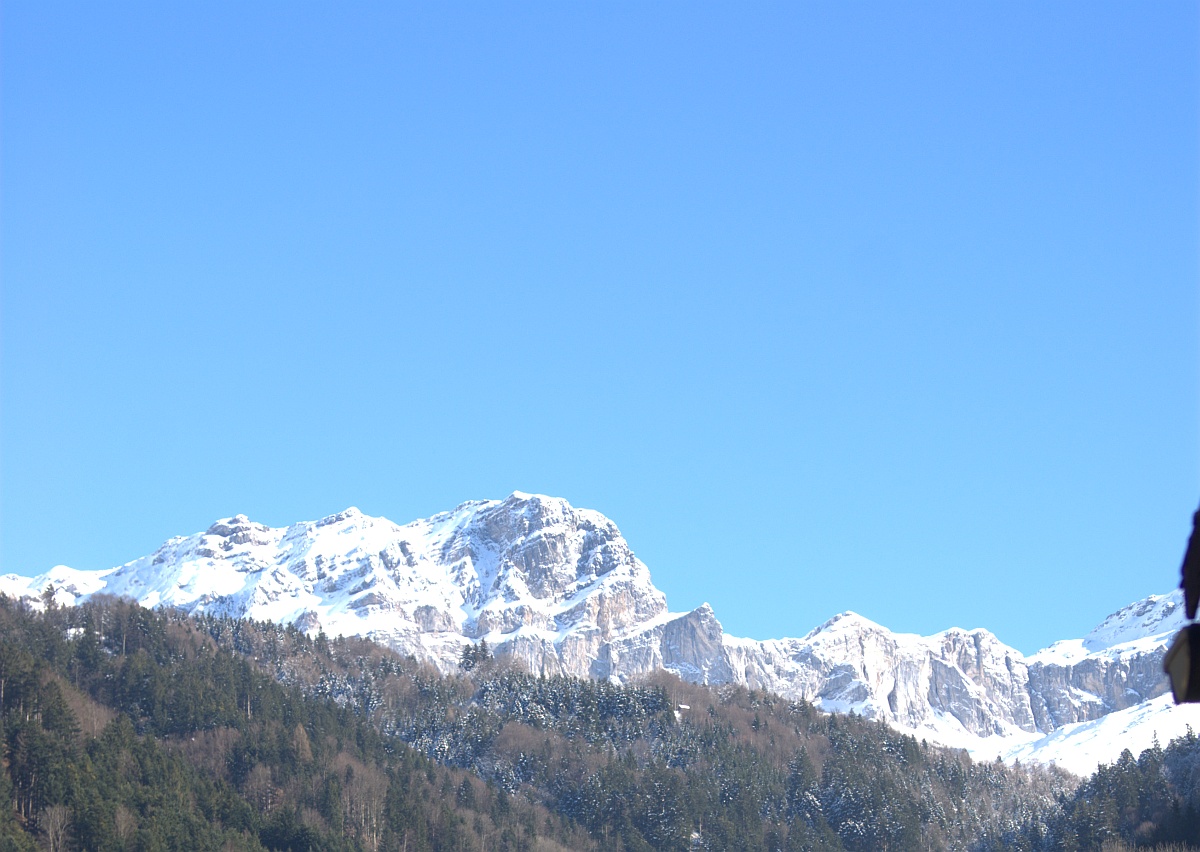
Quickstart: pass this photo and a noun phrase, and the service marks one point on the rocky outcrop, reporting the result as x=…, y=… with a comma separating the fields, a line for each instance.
x=1064, y=694
x=966, y=680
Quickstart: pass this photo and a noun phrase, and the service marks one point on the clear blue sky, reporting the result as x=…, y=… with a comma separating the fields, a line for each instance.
x=884, y=307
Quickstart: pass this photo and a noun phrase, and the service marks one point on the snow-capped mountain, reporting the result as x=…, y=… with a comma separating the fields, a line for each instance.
x=558, y=590
x=538, y=579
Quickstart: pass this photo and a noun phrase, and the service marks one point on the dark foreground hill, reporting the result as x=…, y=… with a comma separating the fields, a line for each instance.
x=125, y=728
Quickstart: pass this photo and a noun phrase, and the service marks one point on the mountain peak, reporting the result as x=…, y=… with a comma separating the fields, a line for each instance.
x=350, y=513
x=537, y=504
x=844, y=621
x=1154, y=615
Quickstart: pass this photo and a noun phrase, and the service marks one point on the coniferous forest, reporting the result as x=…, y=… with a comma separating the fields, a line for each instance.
x=131, y=729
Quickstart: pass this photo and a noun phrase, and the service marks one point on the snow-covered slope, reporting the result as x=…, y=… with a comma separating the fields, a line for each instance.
x=1081, y=746
x=65, y=585
x=558, y=590
x=548, y=583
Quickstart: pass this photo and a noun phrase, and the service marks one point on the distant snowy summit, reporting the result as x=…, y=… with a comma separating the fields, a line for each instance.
x=558, y=590
x=553, y=586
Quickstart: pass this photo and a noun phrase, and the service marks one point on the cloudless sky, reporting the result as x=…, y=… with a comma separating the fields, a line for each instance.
x=872, y=306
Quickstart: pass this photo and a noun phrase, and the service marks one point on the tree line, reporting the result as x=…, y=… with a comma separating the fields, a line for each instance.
x=126, y=728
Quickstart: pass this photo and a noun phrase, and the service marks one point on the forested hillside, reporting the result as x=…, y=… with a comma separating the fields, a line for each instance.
x=126, y=728
x=131, y=729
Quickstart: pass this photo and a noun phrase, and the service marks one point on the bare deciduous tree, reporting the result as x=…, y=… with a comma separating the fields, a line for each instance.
x=55, y=825
x=260, y=789
x=124, y=824
x=364, y=796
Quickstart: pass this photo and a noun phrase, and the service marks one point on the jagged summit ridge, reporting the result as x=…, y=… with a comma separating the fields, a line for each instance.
x=559, y=591
x=547, y=582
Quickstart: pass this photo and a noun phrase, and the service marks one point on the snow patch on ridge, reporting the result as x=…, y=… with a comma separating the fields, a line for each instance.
x=69, y=584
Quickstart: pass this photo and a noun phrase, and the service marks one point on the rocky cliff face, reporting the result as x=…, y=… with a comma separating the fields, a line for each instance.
x=1115, y=667
x=957, y=679
x=557, y=590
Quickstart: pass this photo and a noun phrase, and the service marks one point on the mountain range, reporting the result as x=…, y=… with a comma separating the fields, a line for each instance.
x=557, y=590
